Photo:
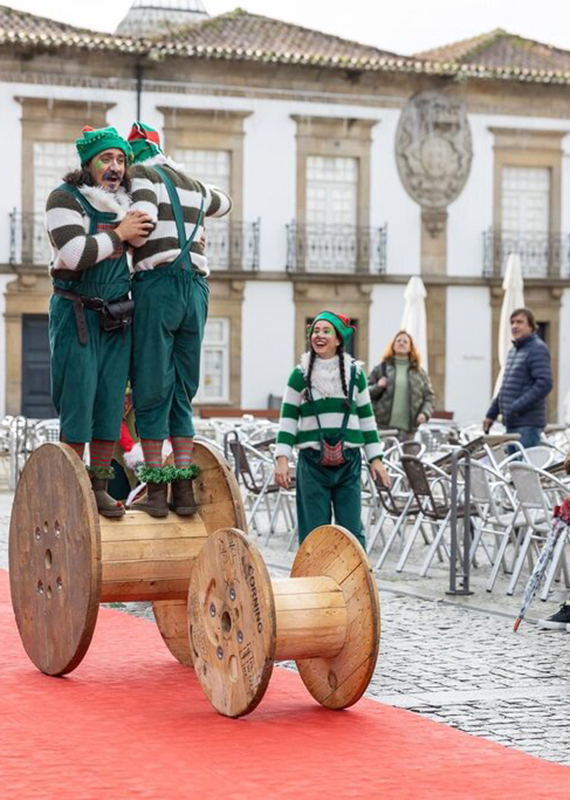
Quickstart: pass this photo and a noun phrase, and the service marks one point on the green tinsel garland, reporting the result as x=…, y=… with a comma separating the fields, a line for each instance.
x=103, y=473
x=167, y=474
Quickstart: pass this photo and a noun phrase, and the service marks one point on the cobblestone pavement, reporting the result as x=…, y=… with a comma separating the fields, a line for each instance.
x=456, y=661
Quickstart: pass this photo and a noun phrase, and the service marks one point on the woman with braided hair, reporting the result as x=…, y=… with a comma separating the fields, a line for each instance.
x=326, y=412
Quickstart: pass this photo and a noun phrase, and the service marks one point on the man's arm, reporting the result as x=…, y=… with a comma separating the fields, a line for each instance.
x=493, y=411
x=216, y=202
x=541, y=377
x=144, y=195
x=77, y=250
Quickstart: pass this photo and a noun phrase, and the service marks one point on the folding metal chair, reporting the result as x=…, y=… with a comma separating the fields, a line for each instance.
x=434, y=510
x=537, y=493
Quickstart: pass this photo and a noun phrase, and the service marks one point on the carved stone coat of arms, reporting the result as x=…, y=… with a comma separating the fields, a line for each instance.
x=434, y=149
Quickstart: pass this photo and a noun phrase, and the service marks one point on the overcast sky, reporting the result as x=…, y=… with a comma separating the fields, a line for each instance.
x=403, y=26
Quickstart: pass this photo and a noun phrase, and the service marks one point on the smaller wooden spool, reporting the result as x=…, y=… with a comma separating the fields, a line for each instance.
x=326, y=617
x=65, y=559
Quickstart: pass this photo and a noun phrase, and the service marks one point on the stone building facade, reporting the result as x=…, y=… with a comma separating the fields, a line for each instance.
x=351, y=170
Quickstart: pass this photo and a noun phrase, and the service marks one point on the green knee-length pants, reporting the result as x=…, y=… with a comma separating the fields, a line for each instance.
x=322, y=489
x=171, y=308
x=88, y=381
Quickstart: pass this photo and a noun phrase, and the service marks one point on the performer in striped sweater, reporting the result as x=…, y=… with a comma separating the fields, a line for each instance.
x=170, y=290
x=327, y=413
x=88, y=220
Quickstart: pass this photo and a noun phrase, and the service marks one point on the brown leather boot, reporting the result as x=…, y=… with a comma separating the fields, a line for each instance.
x=107, y=506
x=154, y=501
x=182, y=500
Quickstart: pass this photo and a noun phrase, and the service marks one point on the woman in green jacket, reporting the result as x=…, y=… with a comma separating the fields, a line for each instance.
x=400, y=390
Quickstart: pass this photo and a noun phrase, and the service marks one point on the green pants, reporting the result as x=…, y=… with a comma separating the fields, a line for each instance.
x=321, y=489
x=88, y=381
x=171, y=308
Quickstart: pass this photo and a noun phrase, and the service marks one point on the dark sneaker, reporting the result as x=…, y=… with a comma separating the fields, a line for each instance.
x=558, y=621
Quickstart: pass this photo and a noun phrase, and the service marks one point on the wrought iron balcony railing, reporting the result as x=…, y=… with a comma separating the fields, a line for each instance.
x=233, y=245
x=29, y=242
x=542, y=255
x=341, y=249
x=229, y=245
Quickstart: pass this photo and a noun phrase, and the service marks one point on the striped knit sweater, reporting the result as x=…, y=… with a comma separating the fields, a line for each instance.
x=149, y=194
x=298, y=424
x=68, y=228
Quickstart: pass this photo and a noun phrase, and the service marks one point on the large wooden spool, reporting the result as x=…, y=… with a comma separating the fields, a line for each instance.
x=65, y=559
x=326, y=617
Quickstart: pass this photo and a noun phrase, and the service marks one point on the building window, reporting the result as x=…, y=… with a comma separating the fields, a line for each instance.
x=527, y=204
x=525, y=199
x=212, y=167
x=52, y=160
x=331, y=214
x=215, y=370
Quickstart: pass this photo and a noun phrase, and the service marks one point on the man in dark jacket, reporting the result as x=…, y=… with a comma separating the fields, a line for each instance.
x=526, y=382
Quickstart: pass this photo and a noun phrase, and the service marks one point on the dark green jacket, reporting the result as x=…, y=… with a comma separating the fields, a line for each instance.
x=420, y=394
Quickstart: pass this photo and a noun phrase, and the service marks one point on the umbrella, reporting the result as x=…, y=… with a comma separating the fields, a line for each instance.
x=513, y=298
x=561, y=521
x=414, y=316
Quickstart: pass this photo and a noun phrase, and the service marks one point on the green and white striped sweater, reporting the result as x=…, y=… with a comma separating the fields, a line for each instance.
x=298, y=423
x=67, y=223
x=149, y=194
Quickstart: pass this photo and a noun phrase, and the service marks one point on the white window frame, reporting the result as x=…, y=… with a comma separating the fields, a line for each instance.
x=221, y=346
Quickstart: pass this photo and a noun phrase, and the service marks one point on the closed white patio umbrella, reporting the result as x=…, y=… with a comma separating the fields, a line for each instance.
x=414, y=316
x=513, y=288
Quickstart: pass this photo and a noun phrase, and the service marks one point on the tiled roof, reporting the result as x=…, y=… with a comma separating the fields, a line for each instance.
x=502, y=51
x=241, y=36
x=19, y=27
x=254, y=37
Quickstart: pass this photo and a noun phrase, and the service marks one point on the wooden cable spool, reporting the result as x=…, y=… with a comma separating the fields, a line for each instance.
x=66, y=559
x=326, y=616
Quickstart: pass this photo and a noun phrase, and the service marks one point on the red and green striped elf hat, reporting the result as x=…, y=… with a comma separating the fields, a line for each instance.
x=340, y=323
x=145, y=142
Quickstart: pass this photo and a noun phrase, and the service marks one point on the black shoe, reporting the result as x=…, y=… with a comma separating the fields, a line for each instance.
x=558, y=621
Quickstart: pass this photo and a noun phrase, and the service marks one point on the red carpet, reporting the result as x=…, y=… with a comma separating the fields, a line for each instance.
x=131, y=722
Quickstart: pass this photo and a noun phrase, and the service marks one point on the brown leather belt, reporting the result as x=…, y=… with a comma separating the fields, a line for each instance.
x=79, y=303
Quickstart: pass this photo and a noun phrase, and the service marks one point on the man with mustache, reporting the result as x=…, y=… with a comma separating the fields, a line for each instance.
x=170, y=289
x=88, y=222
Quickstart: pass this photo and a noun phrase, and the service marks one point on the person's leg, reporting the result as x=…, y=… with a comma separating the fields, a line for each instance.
x=159, y=310
x=187, y=350
x=114, y=356
x=347, y=494
x=73, y=373
x=158, y=313
x=530, y=435
x=186, y=356
x=313, y=495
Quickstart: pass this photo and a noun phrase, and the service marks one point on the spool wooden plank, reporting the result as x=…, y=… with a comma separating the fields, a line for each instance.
x=220, y=506
x=55, y=559
x=340, y=681
x=232, y=622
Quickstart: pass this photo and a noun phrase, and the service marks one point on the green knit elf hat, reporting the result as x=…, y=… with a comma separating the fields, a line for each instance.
x=145, y=142
x=340, y=323
x=96, y=141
